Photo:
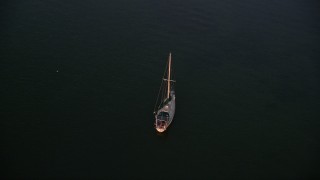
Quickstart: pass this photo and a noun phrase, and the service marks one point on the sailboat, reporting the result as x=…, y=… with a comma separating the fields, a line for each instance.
x=165, y=106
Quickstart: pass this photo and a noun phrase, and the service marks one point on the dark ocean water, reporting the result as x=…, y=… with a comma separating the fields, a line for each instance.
x=79, y=80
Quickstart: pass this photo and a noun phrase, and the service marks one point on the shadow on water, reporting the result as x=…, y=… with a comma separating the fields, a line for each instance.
x=163, y=135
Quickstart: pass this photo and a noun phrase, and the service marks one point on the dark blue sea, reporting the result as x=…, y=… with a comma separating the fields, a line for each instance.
x=79, y=80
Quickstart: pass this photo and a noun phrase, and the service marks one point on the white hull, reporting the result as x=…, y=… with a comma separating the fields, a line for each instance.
x=167, y=105
x=170, y=108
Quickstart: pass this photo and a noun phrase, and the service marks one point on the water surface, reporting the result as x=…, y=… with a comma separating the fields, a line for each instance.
x=79, y=80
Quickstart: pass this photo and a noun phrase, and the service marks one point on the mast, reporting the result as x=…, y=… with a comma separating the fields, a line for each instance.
x=169, y=71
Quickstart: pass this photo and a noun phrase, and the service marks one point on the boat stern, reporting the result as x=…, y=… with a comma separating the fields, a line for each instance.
x=160, y=129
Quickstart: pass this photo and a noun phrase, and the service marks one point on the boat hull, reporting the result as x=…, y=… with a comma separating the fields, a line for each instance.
x=169, y=108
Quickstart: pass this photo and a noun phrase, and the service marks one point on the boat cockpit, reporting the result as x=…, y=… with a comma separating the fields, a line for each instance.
x=163, y=116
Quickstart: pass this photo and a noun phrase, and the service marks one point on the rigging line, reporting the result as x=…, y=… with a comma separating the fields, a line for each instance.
x=155, y=106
